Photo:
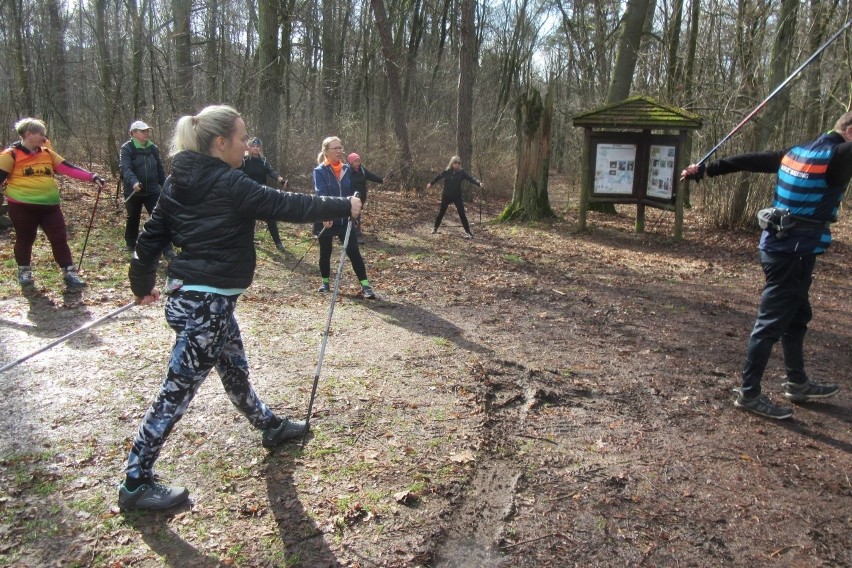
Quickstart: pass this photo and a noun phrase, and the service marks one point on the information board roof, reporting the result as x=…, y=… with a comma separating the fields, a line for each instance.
x=639, y=112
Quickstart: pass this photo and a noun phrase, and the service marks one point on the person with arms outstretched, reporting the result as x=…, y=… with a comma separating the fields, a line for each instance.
x=27, y=168
x=453, y=177
x=208, y=208
x=811, y=181
x=258, y=168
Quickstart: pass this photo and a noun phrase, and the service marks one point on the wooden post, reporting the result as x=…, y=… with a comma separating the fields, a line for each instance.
x=681, y=187
x=586, y=179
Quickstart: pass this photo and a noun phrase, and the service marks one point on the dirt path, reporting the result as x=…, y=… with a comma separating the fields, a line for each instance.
x=535, y=397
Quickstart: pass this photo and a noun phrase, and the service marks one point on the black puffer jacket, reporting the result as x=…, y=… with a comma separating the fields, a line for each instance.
x=209, y=211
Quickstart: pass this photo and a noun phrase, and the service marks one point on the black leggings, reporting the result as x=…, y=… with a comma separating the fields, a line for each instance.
x=459, y=203
x=352, y=251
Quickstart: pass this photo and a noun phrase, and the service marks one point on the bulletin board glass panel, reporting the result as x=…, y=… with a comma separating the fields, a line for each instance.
x=661, y=171
x=615, y=168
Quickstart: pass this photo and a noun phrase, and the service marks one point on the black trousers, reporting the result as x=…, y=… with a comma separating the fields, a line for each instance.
x=459, y=203
x=352, y=251
x=134, y=206
x=784, y=313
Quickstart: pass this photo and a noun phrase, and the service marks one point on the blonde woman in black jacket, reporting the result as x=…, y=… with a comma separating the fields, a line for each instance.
x=453, y=177
x=208, y=208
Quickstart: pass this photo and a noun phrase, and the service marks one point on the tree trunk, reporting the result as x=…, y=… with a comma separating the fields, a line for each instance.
x=268, y=77
x=108, y=91
x=24, y=92
x=182, y=34
x=530, y=201
x=58, y=77
x=467, y=77
x=628, y=50
x=394, y=89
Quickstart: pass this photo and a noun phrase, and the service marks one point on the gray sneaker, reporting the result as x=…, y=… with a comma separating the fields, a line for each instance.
x=324, y=288
x=368, y=293
x=25, y=276
x=69, y=274
x=761, y=405
x=803, y=392
x=152, y=495
x=288, y=430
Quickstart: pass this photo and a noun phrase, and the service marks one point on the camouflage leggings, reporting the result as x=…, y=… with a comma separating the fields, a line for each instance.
x=207, y=335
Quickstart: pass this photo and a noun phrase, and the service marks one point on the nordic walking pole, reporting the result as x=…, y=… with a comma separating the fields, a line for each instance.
x=310, y=246
x=327, y=327
x=91, y=219
x=67, y=336
x=792, y=76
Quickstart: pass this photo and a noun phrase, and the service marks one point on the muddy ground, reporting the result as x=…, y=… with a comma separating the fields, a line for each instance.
x=534, y=397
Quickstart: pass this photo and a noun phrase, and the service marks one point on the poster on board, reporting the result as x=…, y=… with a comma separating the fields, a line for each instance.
x=615, y=165
x=661, y=169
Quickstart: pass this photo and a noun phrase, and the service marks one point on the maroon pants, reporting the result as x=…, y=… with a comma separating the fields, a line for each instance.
x=27, y=218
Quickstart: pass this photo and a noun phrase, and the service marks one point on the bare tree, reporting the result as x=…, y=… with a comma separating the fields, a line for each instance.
x=628, y=50
x=394, y=89
x=182, y=36
x=467, y=78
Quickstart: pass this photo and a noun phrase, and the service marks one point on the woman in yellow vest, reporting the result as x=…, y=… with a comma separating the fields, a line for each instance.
x=27, y=167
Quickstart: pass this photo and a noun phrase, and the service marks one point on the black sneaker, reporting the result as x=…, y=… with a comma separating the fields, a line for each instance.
x=25, y=276
x=152, y=495
x=324, y=289
x=71, y=277
x=761, y=405
x=288, y=430
x=803, y=392
x=280, y=247
x=368, y=292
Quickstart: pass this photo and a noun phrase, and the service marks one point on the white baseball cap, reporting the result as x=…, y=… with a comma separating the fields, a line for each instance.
x=139, y=125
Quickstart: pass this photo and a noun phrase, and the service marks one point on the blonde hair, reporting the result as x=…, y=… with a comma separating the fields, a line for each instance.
x=453, y=160
x=30, y=125
x=325, y=143
x=197, y=133
x=844, y=122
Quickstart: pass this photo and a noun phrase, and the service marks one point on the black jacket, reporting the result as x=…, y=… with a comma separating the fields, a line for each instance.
x=360, y=179
x=209, y=211
x=453, y=181
x=258, y=169
x=141, y=165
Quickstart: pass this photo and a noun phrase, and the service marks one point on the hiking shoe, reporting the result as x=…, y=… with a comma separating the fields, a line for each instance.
x=803, y=392
x=368, y=292
x=152, y=495
x=324, y=289
x=468, y=235
x=288, y=430
x=69, y=274
x=434, y=231
x=25, y=276
x=280, y=247
x=761, y=405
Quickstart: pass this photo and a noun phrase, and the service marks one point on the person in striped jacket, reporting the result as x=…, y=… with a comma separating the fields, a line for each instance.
x=811, y=182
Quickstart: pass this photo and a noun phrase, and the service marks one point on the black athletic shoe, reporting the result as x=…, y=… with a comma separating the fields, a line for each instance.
x=761, y=405
x=280, y=247
x=288, y=430
x=152, y=495
x=368, y=292
x=796, y=392
x=324, y=289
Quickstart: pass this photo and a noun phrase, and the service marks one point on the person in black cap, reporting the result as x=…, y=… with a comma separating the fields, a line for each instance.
x=256, y=166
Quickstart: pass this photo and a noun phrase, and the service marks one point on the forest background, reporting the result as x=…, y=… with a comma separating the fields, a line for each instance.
x=398, y=79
